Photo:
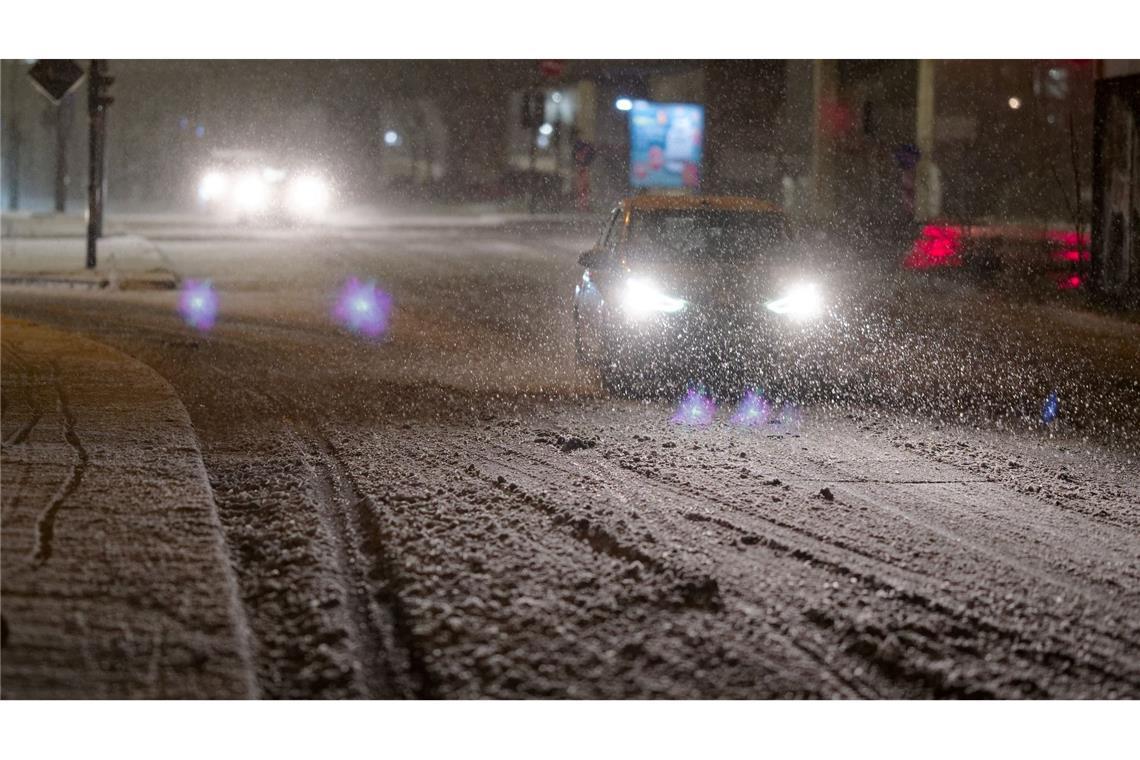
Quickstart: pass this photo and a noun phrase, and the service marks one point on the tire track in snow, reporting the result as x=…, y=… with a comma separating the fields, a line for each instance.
x=45, y=524
x=526, y=471
x=670, y=589
x=1112, y=660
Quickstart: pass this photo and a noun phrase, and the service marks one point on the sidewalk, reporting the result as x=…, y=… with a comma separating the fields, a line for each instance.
x=52, y=250
x=115, y=580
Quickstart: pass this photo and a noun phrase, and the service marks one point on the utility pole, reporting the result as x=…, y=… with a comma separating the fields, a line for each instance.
x=927, y=203
x=97, y=102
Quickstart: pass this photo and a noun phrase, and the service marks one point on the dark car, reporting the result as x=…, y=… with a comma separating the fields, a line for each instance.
x=697, y=290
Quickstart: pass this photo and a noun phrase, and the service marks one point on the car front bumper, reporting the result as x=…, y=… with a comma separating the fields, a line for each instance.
x=751, y=348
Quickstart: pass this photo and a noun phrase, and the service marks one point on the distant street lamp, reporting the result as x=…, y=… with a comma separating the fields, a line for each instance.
x=1015, y=103
x=391, y=137
x=623, y=104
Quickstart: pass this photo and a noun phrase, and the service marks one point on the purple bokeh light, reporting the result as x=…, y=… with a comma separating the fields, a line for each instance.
x=753, y=410
x=696, y=408
x=198, y=304
x=363, y=308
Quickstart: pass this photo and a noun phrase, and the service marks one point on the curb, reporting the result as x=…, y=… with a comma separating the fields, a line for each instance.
x=116, y=578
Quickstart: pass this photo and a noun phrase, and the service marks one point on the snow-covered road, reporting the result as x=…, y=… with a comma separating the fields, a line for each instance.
x=453, y=510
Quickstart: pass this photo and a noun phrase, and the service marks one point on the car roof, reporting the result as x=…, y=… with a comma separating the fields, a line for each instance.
x=688, y=202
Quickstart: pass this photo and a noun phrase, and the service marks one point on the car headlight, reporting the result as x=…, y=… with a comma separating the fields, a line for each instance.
x=800, y=302
x=641, y=298
x=308, y=195
x=251, y=192
x=213, y=186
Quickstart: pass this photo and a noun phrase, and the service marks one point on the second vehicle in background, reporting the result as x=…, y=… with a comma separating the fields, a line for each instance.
x=247, y=186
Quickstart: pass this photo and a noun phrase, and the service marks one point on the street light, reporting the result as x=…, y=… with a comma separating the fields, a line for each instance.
x=623, y=104
x=391, y=137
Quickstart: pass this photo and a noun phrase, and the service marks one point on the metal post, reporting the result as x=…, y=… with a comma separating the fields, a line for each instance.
x=96, y=135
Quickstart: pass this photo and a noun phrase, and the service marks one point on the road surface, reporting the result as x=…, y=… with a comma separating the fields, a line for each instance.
x=452, y=510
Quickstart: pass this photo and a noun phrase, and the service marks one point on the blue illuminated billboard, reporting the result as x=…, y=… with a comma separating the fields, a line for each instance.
x=665, y=142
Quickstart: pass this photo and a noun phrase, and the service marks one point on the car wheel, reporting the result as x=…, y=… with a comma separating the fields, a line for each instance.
x=621, y=373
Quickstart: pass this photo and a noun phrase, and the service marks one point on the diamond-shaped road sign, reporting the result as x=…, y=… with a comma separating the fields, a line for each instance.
x=55, y=78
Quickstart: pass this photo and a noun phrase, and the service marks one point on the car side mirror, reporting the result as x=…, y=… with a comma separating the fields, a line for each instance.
x=591, y=259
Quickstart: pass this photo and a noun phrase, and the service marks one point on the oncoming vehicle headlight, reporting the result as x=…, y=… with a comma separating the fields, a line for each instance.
x=308, y=195
x=642, y=297
x=213, y=186
x=251, y=193
x=800, y=302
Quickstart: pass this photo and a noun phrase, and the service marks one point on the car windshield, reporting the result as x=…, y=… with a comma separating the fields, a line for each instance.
x=673, y=235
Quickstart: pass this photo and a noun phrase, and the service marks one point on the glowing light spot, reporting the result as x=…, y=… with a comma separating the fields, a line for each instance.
x=937, y=246
x=198, y=304
x=1015, y=103
x=1051, y=408
x=623, y=104
x=696, y=408
x=363, y=308
x=752, y=411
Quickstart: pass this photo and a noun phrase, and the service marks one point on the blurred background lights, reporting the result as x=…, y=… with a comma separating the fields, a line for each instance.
x=1051, y=408
x=391, y=137
x=251, y=192
x=308, y=195
x=623, y=104
x=752, y=411
x=363, y=308
x=198, y=304
x=1015, y=103
x=696, y=408
x=213, y=186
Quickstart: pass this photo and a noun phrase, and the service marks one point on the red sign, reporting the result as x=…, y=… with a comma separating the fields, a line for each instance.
x=552, y=69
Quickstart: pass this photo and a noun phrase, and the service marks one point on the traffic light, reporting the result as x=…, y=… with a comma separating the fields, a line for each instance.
x=100, y=84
